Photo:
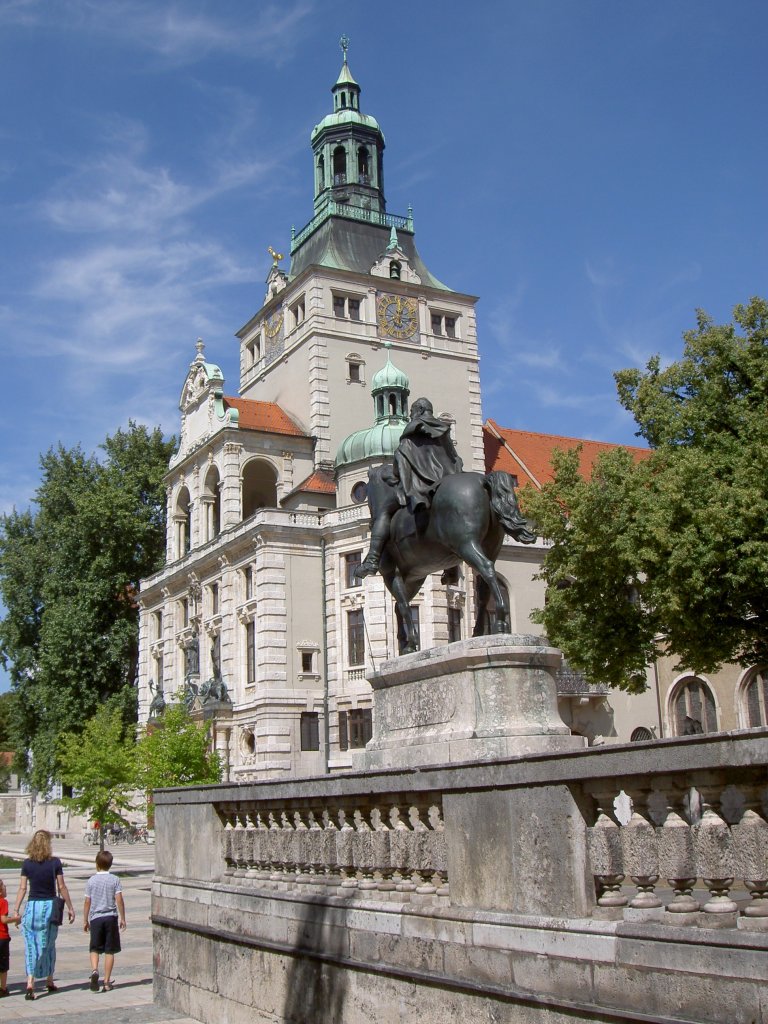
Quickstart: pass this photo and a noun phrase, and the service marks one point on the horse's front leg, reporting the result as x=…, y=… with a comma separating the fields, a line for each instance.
x=474, y=555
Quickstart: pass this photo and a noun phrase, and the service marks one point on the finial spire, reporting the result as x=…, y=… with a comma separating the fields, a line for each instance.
x=344, y=44
x=200, y=346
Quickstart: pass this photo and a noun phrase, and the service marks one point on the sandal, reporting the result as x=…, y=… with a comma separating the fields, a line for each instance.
x=108, y=986
x=52, y=987
x=30, y=994
x=94, y=982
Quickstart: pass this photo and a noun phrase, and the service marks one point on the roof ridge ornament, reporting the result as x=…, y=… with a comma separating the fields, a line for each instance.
x=344, y=44
x=200, y=346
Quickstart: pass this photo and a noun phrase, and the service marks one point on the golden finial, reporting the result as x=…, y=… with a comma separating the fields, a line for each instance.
x=276, y=256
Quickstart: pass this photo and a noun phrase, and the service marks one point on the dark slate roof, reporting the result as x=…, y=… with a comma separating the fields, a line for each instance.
x=354, y=245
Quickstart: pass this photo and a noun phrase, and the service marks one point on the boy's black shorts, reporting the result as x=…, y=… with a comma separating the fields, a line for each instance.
x=105, y=935
x=5, y=954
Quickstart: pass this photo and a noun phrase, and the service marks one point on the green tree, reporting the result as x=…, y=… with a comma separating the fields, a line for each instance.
x=69, y=574
x=669, y=554
x=175, y=751
x=99, y=764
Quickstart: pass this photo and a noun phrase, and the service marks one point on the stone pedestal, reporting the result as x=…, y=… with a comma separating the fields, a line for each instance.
x=475, y=700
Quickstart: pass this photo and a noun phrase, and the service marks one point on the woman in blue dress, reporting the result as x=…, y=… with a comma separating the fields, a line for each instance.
x=43, y=875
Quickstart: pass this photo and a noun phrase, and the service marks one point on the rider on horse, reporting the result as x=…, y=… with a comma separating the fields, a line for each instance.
x=424, y=456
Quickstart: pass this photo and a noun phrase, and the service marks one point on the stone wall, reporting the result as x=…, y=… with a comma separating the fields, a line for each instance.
x=503, y=891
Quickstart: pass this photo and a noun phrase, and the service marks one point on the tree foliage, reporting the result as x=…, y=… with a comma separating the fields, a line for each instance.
x=69, y=574
x=669, y=553
x=99, y=764
x=175, y=751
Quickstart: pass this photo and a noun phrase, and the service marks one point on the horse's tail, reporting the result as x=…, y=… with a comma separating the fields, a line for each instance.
x=504, y=504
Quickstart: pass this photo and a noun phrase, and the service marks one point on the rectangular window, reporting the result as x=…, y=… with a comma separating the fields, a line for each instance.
x=297, y=311
x=250, y=651
x=307, y=658
x=338, y=305
x=355, y=728
x=354, y=309
x=310, y=730
x=437, y=323
x=184, y=611
x=450, y=327
x=351, y=562
x=248, y=582
x=157, y=628
x=214, y=599
x=454, y=625
x=416, y=624
x=355, y=637
x=354, y=372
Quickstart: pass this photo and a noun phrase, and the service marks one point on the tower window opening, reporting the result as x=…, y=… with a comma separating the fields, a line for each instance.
x=450, y=327
x=339, y=166
x=395, y=270
x=380, y=405
x=343, y=100
x=321, y=173
x=354, y=372
x=393, y=405
x=437, y=324
x=362, y=166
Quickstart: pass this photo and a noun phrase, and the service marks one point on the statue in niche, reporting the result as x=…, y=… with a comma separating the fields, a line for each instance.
x=428, y=515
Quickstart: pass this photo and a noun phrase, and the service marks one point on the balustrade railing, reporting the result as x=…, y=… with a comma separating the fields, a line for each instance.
x=384, y=850
x=703, y=831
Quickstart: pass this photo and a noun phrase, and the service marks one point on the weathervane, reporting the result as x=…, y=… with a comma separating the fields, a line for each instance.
x=276, y=256
x=344, y=44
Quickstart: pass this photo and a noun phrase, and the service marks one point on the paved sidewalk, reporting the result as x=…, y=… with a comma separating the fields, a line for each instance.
x=130, y=1002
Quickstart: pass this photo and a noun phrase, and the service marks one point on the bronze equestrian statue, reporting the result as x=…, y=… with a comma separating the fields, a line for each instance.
x=428, y=515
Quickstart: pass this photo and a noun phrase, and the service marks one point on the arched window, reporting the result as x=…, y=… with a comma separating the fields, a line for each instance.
x=755, y=698
x=640, y=734
x=211, y=504
x=259, y=487
x=321, y=173
x=362, y=166
x=183, y=521
x=339, y=166
x=693, y=708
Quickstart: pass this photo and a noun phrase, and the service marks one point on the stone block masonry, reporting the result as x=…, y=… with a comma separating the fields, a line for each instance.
x=505, y=891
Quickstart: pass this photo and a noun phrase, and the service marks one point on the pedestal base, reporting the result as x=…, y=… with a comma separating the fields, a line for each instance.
x=475, y=700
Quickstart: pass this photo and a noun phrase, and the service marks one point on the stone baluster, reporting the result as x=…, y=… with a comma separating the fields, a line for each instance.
x=677, y=861
x=439, y=852
x=239, y=843
x=712, y=842
x=261, y=847
x=750, y=852
x=332, y=877
x=604, y=846
x=290, y=857
x=275, y=850
x=639, y=847
x=249, y=843
x=422, y=854
x=362, y=852
x=345, y=855
x=227, y=813
x=380, y=849
x=315, y=851
x=304, y=870
x=400, y=854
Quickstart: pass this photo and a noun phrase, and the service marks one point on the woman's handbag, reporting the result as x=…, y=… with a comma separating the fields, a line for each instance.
x=57, y=914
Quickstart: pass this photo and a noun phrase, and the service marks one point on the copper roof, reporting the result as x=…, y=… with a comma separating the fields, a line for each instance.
x=267, y=417
x=528, y=456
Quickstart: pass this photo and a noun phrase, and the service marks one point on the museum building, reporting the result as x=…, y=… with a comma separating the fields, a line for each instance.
x=257, y=617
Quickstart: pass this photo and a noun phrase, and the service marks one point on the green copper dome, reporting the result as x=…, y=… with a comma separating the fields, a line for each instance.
x=390, y=390
x=343, y=117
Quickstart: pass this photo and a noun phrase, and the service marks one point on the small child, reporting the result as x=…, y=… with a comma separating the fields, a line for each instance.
x=103, y=905
x=5, y=938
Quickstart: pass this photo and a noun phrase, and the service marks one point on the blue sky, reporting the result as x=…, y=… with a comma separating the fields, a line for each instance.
x=594, y=171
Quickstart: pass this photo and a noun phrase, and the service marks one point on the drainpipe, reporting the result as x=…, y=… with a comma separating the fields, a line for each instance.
x=658, y=697
x=326, y=702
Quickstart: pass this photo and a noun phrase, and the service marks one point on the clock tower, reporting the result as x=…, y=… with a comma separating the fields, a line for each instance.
x=355, y=283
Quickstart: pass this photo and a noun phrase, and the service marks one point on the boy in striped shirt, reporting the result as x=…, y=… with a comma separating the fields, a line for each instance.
x=104, y=918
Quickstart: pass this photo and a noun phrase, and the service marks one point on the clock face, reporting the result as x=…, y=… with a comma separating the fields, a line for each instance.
x=397, y=316
x=273, y=323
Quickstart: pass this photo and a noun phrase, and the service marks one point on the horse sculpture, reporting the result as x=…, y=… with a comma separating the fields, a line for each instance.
x=469, y=516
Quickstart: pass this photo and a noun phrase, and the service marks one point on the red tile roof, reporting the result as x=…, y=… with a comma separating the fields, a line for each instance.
x=267, y=417
x=320, y=482
x=528, y=456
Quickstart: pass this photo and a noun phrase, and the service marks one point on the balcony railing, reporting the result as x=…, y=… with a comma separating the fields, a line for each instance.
x=334, y=209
